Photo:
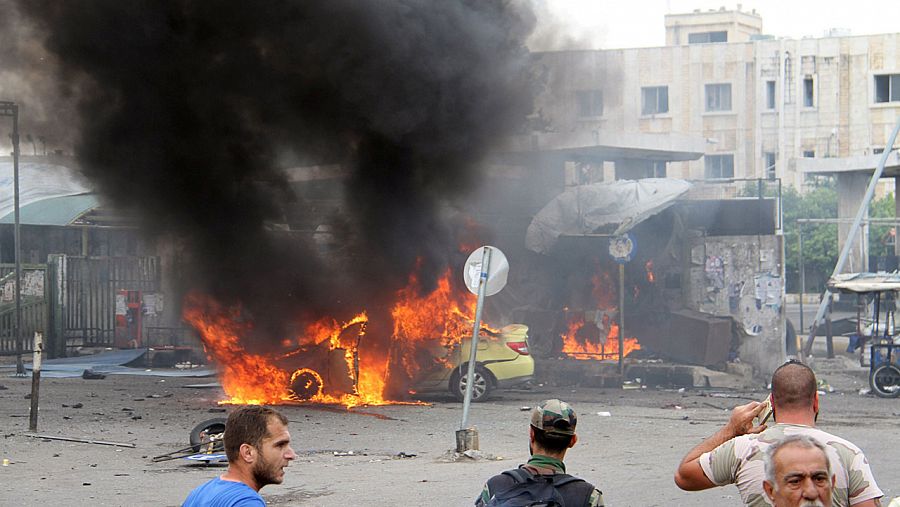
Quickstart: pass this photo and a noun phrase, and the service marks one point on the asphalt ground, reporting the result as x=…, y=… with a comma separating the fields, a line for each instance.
x=630, y=455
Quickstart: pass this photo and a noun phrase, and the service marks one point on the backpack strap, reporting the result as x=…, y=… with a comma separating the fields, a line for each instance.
x=560, y=480
x=519, y=475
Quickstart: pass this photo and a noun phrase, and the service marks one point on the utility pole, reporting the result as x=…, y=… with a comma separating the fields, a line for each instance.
x=12, y=109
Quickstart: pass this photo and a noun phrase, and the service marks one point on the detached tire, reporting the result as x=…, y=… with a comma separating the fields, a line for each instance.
x=481, y=387
x=885, y=381
x=201, y=433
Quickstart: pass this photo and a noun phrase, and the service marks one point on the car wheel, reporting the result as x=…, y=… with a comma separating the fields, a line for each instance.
x=481, y=387
x=885, y=381
x=202, y=433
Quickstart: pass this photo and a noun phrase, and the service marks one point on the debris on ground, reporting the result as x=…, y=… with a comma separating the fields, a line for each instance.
x=822, y=385
x=80, y=440
x=604, y=414
x=90, y=374
x=628, y=384
x=471, y=455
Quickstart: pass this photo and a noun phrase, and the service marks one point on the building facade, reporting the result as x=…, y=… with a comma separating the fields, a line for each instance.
x=759, y=103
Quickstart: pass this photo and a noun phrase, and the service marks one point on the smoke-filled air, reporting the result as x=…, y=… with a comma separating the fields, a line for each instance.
x=189, y=112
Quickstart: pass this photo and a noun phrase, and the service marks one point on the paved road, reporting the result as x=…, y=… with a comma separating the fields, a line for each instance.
x=631, y=455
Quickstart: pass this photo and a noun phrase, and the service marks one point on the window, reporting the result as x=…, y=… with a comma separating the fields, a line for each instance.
x=590, y=103
x=718, y=97
x=808, y=94
x=719, y=166
x=770, y=165
x=704, y=37
x=654, y=99
x=877, y=151
x=887, y=88
x=770, y=94
x=809, y=154
x=658, y=169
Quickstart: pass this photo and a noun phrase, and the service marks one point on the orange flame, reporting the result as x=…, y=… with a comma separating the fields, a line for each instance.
x=421, y=323
x=249, y=379
x=585, y=349
x=437, y=319
x=649, y=267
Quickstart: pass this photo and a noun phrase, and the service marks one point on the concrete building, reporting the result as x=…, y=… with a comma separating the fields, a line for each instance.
x=712, y=26
x=759, y=103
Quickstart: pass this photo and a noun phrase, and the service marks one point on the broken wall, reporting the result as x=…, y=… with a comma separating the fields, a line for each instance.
x=741, y=277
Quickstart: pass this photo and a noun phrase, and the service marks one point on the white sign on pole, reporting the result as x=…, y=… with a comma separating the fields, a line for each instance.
x=497, y=271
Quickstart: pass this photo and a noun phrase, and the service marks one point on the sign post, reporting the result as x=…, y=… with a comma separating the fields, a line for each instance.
x=485, y=275
x=622, y=249
x=36, y=380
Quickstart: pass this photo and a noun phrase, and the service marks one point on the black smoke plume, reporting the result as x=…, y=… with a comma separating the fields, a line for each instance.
x=190, y=109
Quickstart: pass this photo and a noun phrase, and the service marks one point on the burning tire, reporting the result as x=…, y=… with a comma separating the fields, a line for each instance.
x=885, y=381
x=481, y=387
x=203, y=434
x=305, y=384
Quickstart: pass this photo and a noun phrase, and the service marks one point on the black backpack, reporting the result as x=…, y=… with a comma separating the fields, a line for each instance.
x=533, y=490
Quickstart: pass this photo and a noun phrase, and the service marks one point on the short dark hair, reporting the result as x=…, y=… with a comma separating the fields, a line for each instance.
x=248, y=425
x=554, y=443
x=793, y=386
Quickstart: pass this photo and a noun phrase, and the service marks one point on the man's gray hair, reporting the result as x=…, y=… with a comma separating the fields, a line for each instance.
x=802, y=441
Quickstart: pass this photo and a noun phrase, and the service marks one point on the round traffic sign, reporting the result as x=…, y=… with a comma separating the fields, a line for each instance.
x=496, y=272
x=622, y=248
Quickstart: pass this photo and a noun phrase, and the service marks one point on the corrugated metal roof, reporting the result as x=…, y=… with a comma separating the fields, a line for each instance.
x=54, y=211
x=865, y=282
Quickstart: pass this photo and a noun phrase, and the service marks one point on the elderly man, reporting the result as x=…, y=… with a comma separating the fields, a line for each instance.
x=258, y=447
x=798, y=473
x=733, y=455
x=543, y=480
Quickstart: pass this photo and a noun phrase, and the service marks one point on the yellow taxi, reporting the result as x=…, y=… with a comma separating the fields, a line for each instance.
x=502, y=360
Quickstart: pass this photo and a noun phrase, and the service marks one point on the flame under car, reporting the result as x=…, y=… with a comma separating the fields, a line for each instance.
x=502, y=360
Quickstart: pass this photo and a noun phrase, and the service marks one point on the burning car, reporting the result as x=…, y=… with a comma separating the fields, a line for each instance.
x=422, y=345
x=502, y=360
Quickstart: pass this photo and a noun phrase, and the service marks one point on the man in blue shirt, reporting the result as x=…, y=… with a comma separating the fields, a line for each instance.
x=258, y=446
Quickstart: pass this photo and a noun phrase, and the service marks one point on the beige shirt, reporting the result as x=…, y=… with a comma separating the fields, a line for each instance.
x=740, y=462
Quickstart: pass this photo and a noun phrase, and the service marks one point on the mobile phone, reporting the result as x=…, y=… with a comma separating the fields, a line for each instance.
x=765, y=414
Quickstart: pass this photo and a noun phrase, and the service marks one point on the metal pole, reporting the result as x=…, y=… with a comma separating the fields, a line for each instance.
x=36, y=380
x=621, y=317
x=829, y=337
x=802, y=277
x=20, y=367
x=854, y=229
x=470, y=376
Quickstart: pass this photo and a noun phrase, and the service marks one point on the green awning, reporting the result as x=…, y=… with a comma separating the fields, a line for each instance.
x=54, y=211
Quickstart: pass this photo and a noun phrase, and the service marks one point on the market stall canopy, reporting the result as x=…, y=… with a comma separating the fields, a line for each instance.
x=613, y=207
x=865, y=282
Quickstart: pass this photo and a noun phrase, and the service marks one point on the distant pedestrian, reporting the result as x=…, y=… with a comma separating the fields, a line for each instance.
x=258, y=447
x=543, y=480
x=798, y=473
x=734, y=454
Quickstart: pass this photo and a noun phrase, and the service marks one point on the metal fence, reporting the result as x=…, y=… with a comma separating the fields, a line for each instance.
x=84, y=296
x=33, y=304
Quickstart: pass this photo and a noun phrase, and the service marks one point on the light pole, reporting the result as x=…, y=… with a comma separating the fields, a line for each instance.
x=12, y=109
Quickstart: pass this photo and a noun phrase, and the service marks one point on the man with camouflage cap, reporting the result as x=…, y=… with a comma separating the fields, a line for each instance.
x=543, y=479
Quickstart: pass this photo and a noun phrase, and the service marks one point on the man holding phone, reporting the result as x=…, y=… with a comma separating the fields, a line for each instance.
x=734, y=454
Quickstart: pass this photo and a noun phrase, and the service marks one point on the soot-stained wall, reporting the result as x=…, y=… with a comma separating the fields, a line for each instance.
x=741, y=277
